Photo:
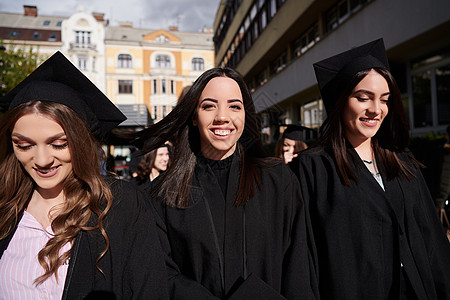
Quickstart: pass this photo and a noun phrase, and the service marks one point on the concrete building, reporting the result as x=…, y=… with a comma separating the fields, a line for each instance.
x=273, y=44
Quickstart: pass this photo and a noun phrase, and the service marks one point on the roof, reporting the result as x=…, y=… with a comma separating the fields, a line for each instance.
x=15, y=20
x=128, y=34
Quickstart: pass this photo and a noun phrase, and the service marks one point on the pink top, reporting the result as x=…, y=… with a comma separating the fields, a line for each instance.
x=19, y=266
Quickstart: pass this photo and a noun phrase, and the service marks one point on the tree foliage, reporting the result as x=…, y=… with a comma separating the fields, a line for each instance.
x=16, y=63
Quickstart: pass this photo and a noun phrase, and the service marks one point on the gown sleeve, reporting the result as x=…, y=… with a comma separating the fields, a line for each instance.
x=180, y=286
x=435, y=239
x=144, y=270
x=299, y=278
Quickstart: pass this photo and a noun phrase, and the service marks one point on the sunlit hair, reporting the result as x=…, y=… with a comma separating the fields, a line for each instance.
x=391, y=139
x=87, y=195
x=175, y=187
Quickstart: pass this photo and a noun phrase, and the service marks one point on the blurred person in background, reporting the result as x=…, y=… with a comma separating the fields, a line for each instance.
x=290, y=144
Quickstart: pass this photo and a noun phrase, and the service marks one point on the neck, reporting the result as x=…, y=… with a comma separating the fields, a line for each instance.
x=45, y=205
x=364, y=149
x=153, y=174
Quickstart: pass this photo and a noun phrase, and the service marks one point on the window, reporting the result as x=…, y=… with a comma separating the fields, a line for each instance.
x=125, y=86
x=443, y=94
x=124, y=61
x=341, y=11
x=163, y=86
x=46, y=23
x=163, y=61
x=164, y=111
x=82, y=39
x=14, y=33
x=52, y=38
x=59, y=23
x=162, y=39
x=198, y=64
x=155, y=89
x=172, y=87
x=306, y=40
x=82, y=63
x=36, y=35
x=155, y=112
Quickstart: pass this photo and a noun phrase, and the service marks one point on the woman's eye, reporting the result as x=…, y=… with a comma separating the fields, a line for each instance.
x=236, y=107
x=60, y=145
x=385, y=100
x=362, y=98
x=23, y=147
x=207, y=106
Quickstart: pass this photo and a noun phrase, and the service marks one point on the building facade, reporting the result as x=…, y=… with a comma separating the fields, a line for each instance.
x=274, y=43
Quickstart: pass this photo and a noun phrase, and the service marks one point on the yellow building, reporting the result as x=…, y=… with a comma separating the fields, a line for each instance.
x=152, y=67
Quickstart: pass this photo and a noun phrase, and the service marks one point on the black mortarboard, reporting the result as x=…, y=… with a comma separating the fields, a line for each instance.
x=334, y=72
x=58, y=80
x=293, y=132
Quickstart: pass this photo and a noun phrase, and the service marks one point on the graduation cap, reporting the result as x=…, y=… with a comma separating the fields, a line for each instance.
x=58, y=80
x=334, y=72
x=293, y=132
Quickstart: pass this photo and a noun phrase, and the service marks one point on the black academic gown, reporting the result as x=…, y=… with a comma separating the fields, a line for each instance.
x=257, y=251
x=134, y=264
x=364, y=235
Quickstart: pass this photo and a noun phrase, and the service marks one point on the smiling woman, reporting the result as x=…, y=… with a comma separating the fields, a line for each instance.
x=61, y=219
x=231, y=220
x=376, y=231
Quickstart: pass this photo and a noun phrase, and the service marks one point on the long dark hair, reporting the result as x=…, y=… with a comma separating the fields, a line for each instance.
x=175, y=186
x=391, y=139
x=86, y=193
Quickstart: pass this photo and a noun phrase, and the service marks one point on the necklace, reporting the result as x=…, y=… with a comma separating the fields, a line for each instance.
x=368, y=161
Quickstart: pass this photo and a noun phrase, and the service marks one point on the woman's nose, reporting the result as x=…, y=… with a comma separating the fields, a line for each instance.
x=375, y=107
x=221, y=117
x=43, y=157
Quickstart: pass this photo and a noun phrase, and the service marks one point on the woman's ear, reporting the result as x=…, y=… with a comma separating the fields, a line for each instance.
x=194, y=120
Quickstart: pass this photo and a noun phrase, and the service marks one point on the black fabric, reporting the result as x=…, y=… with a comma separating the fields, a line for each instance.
x=293, y=132
x=134, y=264
x=334, y=72
x=363, y=234
x=58, y=80
x=276, y=239
x=221, y=169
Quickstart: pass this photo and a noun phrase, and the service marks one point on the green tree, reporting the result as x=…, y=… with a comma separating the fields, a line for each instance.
x=16, y=63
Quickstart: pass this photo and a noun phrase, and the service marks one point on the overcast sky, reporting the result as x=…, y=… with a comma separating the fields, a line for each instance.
x=189, y=15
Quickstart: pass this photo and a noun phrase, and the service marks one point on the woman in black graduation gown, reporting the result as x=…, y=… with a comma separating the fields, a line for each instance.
x=376, y=230
x=231, y=220
x=66, y=232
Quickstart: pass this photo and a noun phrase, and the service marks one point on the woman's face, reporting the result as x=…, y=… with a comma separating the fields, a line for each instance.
x=40, y=144
x=161, y=159
x=220, y=117
x=288, y=145
x=366, y=108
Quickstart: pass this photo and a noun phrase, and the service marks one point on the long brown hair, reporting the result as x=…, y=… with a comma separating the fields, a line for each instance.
x=175, y=186
x=391, y=139
x=87, y=195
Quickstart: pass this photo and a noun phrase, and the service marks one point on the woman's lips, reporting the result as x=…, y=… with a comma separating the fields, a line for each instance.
x=46, y=173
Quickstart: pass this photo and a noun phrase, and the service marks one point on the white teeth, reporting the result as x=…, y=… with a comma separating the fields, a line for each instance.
x=369, y=120
x=46, y=170
x=222, y=132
